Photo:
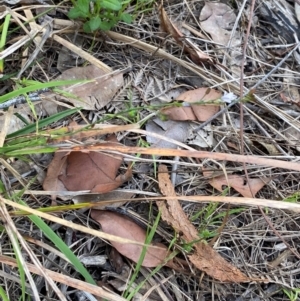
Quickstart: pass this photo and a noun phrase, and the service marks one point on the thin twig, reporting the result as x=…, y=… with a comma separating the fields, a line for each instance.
x=241, y=92
x=201, y=126
x=34, y=96
x=277, y=233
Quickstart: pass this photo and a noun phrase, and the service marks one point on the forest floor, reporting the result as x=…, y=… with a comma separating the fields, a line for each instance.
x=184, y=121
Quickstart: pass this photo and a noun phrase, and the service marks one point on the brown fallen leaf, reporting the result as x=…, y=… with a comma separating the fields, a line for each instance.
x=188, y=46
x=246, y=189
x=170, y=129
x=217, y=19
x=205, y=258
x=85, y=170
x=55, y=168
x=122, y=226
x=94, y=94
x=195, y=111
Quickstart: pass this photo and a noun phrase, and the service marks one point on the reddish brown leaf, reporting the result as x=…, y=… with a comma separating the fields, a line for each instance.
x=179, y=113
x=195, y=111
x=120, y=225
x=56, y=167
x=247, y=190
x=85, y=170
x=205, y=257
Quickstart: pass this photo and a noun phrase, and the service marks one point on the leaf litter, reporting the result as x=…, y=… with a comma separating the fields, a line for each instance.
x=120, y=225
x=204, y=258
x=195, y=105
x=193, y=110
x=247, y=239
x=85, y=170
x=218, y=20
x=97, y=90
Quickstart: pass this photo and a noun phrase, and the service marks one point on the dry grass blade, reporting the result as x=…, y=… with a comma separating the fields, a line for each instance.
x=12, y=237
x=79, y=132
x=71, y=225
x=75, y=283
x=250, y=202
x=10, y=227
x=212, y=78
x=197, y=154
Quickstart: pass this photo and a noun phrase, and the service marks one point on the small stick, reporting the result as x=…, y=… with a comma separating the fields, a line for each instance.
x=34, y=96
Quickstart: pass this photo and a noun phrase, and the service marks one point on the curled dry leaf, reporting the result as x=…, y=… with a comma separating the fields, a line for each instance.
x=205, y=258
x=246, y=189
x=217, y=19
x=120, y=225
x=188, y=46
x=96, y=93
x=85, y=170
x=195, y=111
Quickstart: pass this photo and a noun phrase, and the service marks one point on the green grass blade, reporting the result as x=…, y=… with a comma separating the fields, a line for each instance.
x=42, y=123
x=141, y=259
x=3, y=294
x=38, y=86
x=51, y=235
x=17, y=251
x=3, y=38
x=30, y=151
x=34, y=142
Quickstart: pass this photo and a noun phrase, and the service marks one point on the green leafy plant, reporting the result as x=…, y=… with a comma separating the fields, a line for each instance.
x=100, y=14
x=292, y=294
x=294, y=198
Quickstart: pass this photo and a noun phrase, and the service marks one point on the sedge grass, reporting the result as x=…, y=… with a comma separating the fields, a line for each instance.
x=3, y=38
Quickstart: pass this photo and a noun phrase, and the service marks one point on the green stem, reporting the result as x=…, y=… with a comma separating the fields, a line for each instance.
x=3, y=39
